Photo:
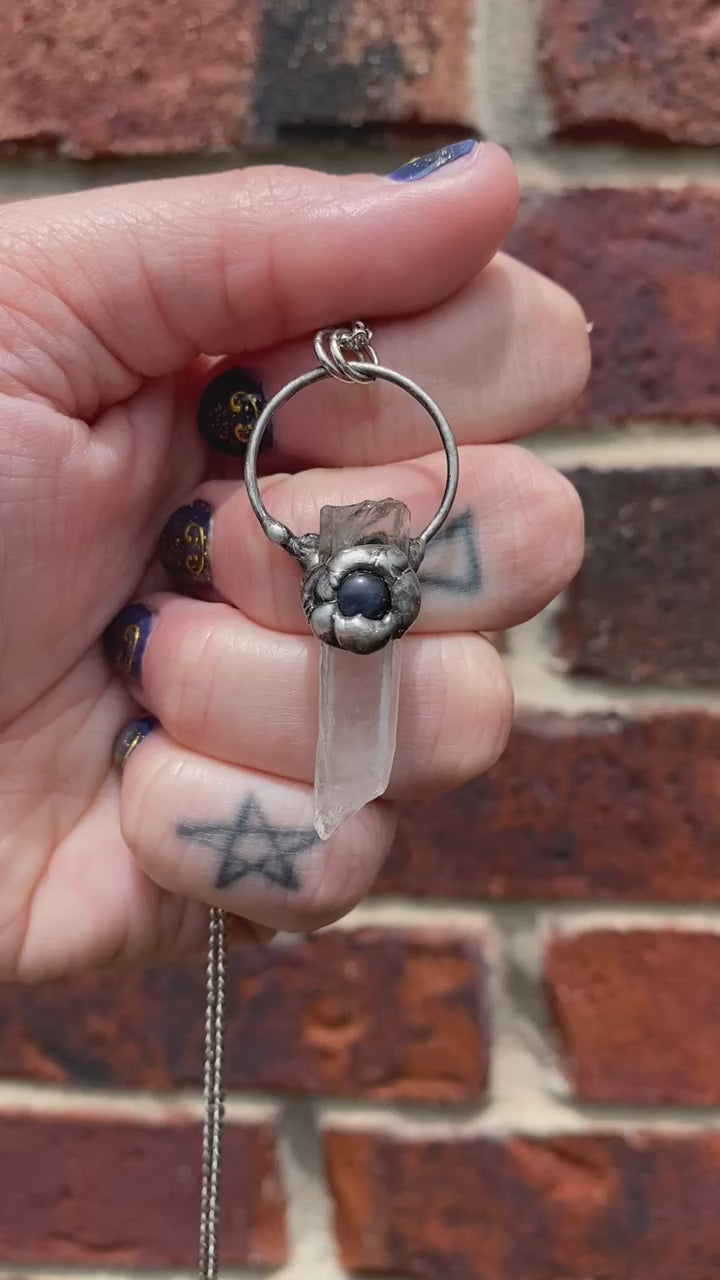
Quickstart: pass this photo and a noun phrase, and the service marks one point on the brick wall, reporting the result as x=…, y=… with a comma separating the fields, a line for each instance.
x=506, y=1065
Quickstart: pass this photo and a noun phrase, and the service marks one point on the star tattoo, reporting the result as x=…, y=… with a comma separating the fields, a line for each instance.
x=250, y=845
x=452, y=562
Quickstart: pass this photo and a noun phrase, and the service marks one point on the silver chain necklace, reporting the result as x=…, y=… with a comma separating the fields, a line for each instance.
x=213, y=1097
x=363, y=546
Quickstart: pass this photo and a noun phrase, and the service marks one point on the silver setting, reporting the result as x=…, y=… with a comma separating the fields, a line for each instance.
x=360, y=634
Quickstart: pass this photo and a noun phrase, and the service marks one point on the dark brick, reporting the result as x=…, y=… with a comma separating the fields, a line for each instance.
x=651, y=65
x=101, y=76
x=646, y=603
x=102, y=1192
x=363, y=64
x=561, y=1208
x=636, y=1014
x=645, y=264
x=579, y=807
x=378, y=1014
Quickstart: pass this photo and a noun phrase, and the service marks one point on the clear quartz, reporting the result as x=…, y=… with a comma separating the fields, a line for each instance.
x=358, y=692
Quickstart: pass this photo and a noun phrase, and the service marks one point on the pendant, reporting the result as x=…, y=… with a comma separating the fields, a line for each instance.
x=360, y=593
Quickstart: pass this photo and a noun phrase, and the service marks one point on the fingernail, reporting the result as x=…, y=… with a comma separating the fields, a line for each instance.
x=229, y=407
x=135, y=732
x=126, y=638
x=184, y=548
x=423, y=166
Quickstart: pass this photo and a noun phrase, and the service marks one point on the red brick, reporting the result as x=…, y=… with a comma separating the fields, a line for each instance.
x=378, y=1014
x=645, y=264
x=561, y=1208
x=651, y=65
x=121, y=76
x=636, y=1014
x=646, y=603
x=97, y=1191
x=579, y=807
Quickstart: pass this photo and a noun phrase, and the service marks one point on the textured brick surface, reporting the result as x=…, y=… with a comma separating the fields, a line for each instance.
x=579, y=807
x=646, y=603
x=126, y=77
x=565, y=1208
x=645, y=265
x=651, y=64
x=380, y=1014
x=636, y=1014
x=97, y=1192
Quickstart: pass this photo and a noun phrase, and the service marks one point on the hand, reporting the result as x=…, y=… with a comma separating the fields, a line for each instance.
x=111, y=303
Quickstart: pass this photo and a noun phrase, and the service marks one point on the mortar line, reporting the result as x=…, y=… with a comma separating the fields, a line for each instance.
x=631, y=446
x=404, y=912
x=552, y=166
x=532, y=1115
x=82, y=1101
x=309, y=1214
x=521, y=1058
x=510, y=103
x=49, y=1271
x=541, y=684
x=559, y=166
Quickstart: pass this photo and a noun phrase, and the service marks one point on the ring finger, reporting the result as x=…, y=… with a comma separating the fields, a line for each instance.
x=512, y=542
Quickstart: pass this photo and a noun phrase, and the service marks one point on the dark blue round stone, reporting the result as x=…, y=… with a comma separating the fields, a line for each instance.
x=365, y=594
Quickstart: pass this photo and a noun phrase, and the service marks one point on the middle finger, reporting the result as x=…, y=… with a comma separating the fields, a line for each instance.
x=502, y=358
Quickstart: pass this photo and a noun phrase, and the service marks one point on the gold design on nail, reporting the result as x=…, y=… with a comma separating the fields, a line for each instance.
x=130, y=747
x=240, y=403
x=126, y=656
x=195, y=539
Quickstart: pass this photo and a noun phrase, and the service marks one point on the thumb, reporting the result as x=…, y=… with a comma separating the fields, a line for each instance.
x=139, y=279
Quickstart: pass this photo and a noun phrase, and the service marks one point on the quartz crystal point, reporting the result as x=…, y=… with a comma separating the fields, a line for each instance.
x=358, y=692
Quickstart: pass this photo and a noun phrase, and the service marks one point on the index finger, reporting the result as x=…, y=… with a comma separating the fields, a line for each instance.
x=141, y=278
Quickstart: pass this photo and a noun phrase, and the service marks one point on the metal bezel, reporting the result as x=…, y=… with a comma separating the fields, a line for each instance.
x=360, y=634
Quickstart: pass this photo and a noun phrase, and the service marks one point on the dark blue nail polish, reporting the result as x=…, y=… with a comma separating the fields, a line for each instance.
x=135, y=732
x=126, y=638
x=423, y=166
x=185, y=543
x=229, y=407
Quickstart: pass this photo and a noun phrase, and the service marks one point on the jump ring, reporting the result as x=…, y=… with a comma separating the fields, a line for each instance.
x=329, y=344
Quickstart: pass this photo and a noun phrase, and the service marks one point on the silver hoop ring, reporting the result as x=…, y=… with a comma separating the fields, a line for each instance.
x=278, y=532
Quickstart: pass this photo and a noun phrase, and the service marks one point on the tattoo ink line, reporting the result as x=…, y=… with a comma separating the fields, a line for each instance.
x=458, y=571
x=272, y=850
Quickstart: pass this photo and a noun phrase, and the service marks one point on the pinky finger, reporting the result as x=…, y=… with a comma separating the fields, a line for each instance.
x=245, y=841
